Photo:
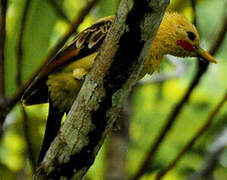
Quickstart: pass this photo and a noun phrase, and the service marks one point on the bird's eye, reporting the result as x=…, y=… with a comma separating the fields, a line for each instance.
x=191, y=35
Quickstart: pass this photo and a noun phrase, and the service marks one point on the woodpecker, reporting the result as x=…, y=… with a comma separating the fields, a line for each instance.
x=60, y=81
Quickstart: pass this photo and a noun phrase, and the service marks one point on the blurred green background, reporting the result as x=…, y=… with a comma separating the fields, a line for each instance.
x=152, y=103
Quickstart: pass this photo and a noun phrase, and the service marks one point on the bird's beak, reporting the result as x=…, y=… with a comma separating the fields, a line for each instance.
x=205, y=55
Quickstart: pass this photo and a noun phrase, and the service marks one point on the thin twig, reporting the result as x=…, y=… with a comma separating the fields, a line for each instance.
x=75, y=24
x=193, y=3
x=2, y=47
x=179, y=107
x=199, y=133
x=2, y=60
x=20, y=48
x=59, y=11
x=210, y=164
x=6, y=106
x=30, y=151
x=220, y=37
x=19, y=82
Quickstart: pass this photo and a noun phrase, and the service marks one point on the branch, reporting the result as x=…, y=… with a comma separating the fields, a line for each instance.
x=59, y=11
x=178, y=108
x=2, y=59
x=198, y=134
x=8, y=104
x=19, y=82
x=101, y=97
x=30, y=151
x=75, y=24
x=2, y=47
x=219, y=146
x=193, y=4
x=220, y=37
x=20, y=42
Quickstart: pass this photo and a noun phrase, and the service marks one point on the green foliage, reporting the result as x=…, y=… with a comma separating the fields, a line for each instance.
x=152, y=103
x=39, y=25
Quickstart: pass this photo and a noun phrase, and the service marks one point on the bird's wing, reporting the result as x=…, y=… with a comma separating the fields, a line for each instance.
x=86, y=43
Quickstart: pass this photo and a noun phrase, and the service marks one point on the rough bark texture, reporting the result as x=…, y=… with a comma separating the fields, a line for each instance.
x=98, y=104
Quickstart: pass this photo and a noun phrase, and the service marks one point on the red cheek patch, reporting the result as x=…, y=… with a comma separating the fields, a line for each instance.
x=185, y=45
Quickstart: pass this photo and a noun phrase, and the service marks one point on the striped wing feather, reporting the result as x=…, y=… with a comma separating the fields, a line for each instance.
x=86, y=43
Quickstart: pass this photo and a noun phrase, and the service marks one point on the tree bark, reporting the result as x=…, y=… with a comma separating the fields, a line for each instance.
x=97, y=106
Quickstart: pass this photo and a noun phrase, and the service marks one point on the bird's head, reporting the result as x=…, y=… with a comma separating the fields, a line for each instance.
x=178, y=37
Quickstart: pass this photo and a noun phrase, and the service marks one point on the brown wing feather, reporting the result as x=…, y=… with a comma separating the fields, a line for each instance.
x=87, y=42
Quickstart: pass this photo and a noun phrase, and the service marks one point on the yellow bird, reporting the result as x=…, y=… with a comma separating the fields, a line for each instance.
x=60, y=81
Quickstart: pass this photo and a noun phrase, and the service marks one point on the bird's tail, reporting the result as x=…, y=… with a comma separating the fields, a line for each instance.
x=52, y=127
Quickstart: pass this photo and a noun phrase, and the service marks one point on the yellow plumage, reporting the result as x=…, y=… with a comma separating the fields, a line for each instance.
x=64, y=84
x=173, y=27
x=60, y=81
